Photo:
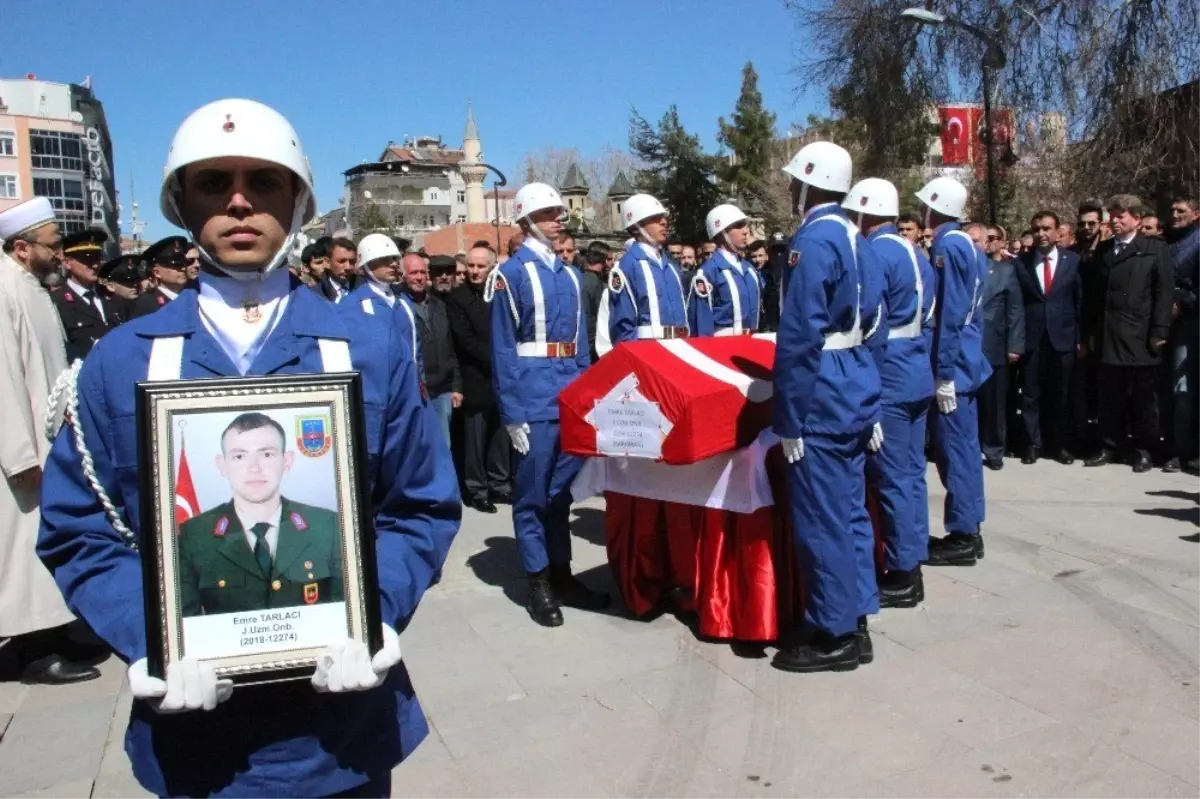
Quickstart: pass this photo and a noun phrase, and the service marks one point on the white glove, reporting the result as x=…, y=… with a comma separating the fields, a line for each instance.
x=190, y=685
x=947, y=401
x=793, y=449
x=347, y=666
x=519, y=434
x=876, y=438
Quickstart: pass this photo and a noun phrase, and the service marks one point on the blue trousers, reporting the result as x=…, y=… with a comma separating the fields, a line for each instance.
x=897, y=473
x=542, y=499
x=834, y=540
x=960, y=466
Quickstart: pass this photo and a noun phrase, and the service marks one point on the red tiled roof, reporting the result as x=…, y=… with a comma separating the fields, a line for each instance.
x=459, y=237
x=448, y=157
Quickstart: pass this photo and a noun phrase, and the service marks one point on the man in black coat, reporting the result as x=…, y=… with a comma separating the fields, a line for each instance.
x=341, y=277
x=1052, y=289
x=167, y=260
x=592, y=290
x=486, y=459
x=1134, y=323
x=442, y=378
x=1003, y=345
x=87, y=311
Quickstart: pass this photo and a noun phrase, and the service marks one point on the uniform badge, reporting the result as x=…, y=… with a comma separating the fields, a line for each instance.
x=863, y=201
x=794, y=258
x=251, y=312
x=312, y=435
x=499, y=285
x=311, y=594
x=221, y=527
x=228, y=127
x=809, y=167
x=701, y=288
x=308, y=564
x=940, y=261
x=298, y=521
x=162, y=300
x=68, y=296
x=615, y=283
x=933, y=197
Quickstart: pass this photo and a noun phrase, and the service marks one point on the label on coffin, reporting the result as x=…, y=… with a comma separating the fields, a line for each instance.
x=628, y=423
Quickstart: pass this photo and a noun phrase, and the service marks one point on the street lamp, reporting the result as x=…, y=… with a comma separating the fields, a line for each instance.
x=500, y=181
x=993, y=59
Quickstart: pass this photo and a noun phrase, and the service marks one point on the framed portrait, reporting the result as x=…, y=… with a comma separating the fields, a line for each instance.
x=258, y=541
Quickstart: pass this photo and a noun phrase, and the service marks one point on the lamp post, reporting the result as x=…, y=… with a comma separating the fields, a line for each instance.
x=993, y=59
x=500, y=181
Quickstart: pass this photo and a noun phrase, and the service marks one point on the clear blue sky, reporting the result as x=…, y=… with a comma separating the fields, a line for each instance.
x=350, y=76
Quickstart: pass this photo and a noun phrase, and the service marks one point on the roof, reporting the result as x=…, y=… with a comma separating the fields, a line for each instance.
x=422, y=155
x=621, y=187
x=460, y=236
x=471, y=133
x=574, y=181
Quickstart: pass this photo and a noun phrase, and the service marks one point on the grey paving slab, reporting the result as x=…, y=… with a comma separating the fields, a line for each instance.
x=80, y=789
x=1152, y=733
x=54, y=745
x=118, y=786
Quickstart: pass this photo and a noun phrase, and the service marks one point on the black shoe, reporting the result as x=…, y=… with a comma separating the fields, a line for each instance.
x=1031, y=455
x=1065, y=457
x=56, y=670
x=902, y=589
x=995, y=464
x=501, y=497
x=1141, y=462
x=542, y=606
x=573, y=593
x=1172, y=466
x=955, y=549
x=1192, y=466
x=866, y=650
x=481, y=505
x=822, y=653
x=1105, y=457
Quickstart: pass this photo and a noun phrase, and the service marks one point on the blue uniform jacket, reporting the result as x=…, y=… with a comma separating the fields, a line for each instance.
x=904, y=362
x=629, y=294
x=285, y=738
x=958, y=353
x=527, y=386
x=819, y=391
x=400, y=314
x=711, y=299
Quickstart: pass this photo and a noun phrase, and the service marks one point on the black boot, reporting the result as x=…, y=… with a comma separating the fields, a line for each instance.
x=822, y=652
x=573, y=593
x=955, y=549
x=902, y=589
x=1141, y=462
x=1105, y=457
x=866, y=650
x=1172, y=466
x=542, y=606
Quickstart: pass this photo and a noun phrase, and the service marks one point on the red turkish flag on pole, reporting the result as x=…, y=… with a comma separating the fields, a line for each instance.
x=186, y=504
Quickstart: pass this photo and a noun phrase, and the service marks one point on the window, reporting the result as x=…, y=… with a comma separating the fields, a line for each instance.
x=8, y=143
x=462, y=197
x=461, y=218
x=52, y=149
x=433, y=194
x=67, y=197
x=8, y=187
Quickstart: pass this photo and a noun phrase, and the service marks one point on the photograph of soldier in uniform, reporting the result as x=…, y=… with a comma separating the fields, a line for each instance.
x=259, y=549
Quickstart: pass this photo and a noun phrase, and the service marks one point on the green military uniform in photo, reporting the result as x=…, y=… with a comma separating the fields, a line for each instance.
x=219, y=572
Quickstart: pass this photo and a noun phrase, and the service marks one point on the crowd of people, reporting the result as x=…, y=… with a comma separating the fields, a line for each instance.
x=895, y=339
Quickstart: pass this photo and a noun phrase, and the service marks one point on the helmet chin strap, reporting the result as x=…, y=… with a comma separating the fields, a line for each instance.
x=801, y=199
x=537, y=233
x=280, y=255
x=928, y=216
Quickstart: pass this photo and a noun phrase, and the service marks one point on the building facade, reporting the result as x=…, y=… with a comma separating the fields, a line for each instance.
x=54, y=143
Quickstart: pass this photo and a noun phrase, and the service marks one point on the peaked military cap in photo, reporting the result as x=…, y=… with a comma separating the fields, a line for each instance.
x=171, y=251
x=87, y=241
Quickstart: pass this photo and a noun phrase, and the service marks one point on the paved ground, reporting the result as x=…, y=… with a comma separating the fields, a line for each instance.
x=1064, y=664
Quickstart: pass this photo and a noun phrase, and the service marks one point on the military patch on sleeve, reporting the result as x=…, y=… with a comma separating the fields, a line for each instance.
x=221, y=527
x=701, y=287
x=298, y=521
x=615, y=281
x=940, y=261
x=499, y=285
x=794, y=258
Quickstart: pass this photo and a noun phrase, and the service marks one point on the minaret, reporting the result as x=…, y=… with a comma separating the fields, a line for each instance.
x=472, y=173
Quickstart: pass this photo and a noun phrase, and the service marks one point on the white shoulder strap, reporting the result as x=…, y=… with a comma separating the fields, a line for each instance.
x=578, y=301
x=166, y=359
x=651, y=298
x=539, y=304
x=912, y=255
x=368, y=306
x=335, y=355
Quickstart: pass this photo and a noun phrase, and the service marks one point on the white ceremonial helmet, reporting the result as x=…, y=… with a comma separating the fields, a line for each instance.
x=873, y=197
x=375, y=246
x=534, y=197
x=244, y=129
x=721, y=218
x=946, y=196
x=822, y=164
x=638, y=209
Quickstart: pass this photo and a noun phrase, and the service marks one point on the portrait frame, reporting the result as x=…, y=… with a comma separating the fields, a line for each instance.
x=275, y=642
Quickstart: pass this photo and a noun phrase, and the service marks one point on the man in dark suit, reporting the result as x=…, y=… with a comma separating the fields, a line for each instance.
x=1003, y=345
x=1135, y=321
x=340, y=279
x=167, y=260
x=1052, y=289
x=87, y=311
x=486, y=456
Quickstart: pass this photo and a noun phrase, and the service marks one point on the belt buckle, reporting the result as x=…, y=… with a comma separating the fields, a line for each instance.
x=552, y=349
x=567, y=350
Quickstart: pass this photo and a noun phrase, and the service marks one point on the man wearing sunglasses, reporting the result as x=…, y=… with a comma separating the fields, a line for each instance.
x=168, y=261
x=87, y=311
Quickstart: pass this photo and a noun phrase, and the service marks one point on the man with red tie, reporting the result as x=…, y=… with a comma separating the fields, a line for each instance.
x=1052, y=289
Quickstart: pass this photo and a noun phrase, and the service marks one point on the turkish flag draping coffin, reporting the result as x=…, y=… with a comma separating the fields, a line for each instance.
x=713, y=394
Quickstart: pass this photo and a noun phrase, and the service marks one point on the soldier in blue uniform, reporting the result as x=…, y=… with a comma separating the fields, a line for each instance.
x=897, y=470
x=959, y=370
x=237, y=179
x=725, y=296
x=539, y=345
x=826, y=410
x=645, y=298
x=379, y=259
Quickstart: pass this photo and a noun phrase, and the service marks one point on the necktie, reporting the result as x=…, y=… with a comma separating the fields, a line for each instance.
x=1047, y=278
x=91, y=299
x=262, y=552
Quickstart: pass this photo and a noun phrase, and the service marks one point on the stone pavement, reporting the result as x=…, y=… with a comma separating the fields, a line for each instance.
x=1064, y=664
